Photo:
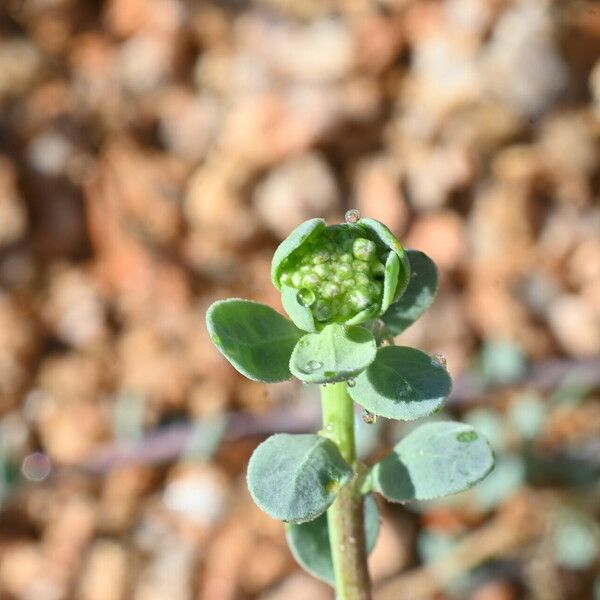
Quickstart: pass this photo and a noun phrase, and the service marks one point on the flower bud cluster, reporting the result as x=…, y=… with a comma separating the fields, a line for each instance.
x=337, y=277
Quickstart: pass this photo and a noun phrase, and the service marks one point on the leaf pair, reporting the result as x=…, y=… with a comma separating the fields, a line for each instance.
x=265, y=346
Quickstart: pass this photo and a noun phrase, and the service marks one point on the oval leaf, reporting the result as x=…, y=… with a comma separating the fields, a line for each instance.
x=402, y=383
x=419, y=294
x=303, y=232
x=337, y=353
x=296, y=477
x=301, y=315
x=309, y=542
x=254, y=338
x=437, y=459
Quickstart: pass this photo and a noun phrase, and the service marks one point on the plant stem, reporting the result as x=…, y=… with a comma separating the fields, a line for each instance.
x=345, y=516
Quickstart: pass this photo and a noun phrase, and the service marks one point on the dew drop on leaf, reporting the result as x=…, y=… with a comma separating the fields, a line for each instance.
x=313, y=365
x=352, y=216
x=351, y=383
x=438, y=360
x=369, y=418
x=306, y=297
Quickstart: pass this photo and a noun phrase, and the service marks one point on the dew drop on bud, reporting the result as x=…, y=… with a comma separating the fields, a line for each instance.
x=313, y=365
x=306, y=297
x=351, y=383
x=369, y=418
x=438, y=360
x=352, y=216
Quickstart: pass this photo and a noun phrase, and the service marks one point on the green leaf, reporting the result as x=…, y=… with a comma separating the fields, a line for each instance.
x=402, y=383
x=417, y=297
x=390, y=283
x=309, y=542
x=254, y=338
x=386, y=237
x=295, y=478
x=337, y=353
x=297, y=238
x=436, y=459
x=300, y=314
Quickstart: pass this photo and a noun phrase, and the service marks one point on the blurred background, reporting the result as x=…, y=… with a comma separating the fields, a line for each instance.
x=153, y=153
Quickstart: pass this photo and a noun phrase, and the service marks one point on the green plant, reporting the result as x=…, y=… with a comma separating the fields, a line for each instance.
x=349, y=289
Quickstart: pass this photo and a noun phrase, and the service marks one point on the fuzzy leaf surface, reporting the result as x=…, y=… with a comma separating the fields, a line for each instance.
x=300, y=315
x=436, y=459
x=402, y=383
x=336, y=353
x=295, y=478
x=418, y=296
x=309, y=542
x=254, y=338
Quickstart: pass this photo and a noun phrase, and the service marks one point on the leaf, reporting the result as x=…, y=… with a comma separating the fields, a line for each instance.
x=297, y=238
x=337, y=353
x=390, y=283
x=386, y=237
x=296, y=477
x=309, y=542
x=418, y=296
x=436, y=459
x=402, y=383
x=301, y=315
x=254, y=338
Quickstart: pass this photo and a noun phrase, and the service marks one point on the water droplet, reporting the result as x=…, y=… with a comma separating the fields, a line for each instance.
x=352, y=216
x=467, y=436
x=305, y=297
x=313, y=365
x=303, y=343
x=36, y=466
x=351, y=383
x=438, y=360
x=369, y=418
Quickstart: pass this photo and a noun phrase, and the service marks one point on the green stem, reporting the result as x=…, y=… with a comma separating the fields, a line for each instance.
x=345, y=516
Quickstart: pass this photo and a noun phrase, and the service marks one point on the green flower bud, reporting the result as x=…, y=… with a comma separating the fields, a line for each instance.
x=310, y=280
x=343, y=271
x=339, y=271
x=359, y=298
x=330, y=290
x=362, y=279
x=296, y=279
x=321, y=256
x=377, y=268
x=363, y=249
